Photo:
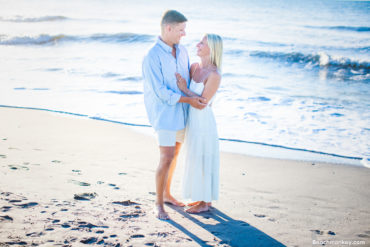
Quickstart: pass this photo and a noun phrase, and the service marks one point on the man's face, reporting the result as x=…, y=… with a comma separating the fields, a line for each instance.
x=177, y=31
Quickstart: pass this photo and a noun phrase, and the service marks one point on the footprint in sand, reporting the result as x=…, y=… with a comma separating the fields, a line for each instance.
x=126, y=203
x=77, y=171
x=27, y=205
x=125, y=215
x=89, y=225
x=17, y=167
x=363, y=235
x=35, y=234
x=85, y=196
x=5, y=208
x=90, y=240
x=138, y=236
x=15, y=201
x=16, y=243
x=260, y=215
x=5, y=218
x=78, y=182
x=318, y=232
x=100, y=242
x=6, y=193
x=13, y=148
x=115, y=187
x=65, y=225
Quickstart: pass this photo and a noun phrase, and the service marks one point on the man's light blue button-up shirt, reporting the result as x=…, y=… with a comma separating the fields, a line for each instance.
x=161, y=94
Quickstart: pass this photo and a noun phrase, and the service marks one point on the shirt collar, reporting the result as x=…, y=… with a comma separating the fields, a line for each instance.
x=165, y=46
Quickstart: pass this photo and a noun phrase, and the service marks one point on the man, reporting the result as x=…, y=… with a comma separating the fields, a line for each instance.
x=165, y=104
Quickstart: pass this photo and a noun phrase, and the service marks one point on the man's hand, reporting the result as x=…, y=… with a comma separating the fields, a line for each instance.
x=198, y=102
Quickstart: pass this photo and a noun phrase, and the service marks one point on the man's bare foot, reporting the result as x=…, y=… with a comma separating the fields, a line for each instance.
x=200, y=207
x=209, y=204
x=161, y=213
x=170, y=199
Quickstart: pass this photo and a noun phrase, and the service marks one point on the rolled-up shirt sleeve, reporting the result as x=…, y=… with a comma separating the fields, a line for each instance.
x=154, y=77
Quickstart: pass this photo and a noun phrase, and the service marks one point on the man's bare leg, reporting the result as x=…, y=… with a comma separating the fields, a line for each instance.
x=167, y=192
x=166, y=156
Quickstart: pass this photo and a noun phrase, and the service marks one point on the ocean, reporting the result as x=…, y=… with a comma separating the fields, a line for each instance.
x=296, y=74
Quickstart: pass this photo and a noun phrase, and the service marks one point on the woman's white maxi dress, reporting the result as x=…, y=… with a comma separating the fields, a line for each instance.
x=202, y=157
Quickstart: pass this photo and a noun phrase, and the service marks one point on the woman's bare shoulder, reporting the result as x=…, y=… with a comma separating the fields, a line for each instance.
x=214, y=76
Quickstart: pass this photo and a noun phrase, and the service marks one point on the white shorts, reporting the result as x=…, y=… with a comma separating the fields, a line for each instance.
x=168, y=138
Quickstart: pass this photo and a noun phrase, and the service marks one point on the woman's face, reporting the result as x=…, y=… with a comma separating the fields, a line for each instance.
x=203, y=48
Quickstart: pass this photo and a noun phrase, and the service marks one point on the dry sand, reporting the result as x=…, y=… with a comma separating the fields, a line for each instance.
x=67, y=181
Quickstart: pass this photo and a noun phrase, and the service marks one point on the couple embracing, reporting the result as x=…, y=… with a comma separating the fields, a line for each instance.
x=178, y=98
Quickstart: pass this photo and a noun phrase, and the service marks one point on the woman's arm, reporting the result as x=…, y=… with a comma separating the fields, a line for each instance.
x=211, y=85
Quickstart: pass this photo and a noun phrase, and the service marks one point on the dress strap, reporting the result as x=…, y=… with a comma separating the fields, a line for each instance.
x=192, y=76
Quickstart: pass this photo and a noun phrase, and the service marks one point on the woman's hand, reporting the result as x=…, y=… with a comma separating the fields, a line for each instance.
x=181, y=82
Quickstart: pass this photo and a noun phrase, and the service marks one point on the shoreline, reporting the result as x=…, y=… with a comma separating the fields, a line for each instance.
x=236, y=146
x=69, y=180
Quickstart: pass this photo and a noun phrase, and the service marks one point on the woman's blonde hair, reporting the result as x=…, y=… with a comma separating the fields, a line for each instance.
x=216, y=49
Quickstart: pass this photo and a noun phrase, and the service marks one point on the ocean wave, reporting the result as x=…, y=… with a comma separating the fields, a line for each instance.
x=53, y=39
x=343, y=28
x=130, y=78
x=121, y=37
x=37, y=40
x=34, y=19
x=321, y=59
x=123, y=92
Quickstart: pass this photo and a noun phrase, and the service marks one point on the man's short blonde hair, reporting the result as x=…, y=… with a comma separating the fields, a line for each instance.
x=172, y=17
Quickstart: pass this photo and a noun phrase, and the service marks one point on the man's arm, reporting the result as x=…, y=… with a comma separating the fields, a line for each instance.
x=154, y=77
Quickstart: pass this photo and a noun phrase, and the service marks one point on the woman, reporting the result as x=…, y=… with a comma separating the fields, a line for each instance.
x=201, y=177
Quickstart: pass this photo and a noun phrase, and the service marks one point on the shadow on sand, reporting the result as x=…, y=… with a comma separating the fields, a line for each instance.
x=231, y=232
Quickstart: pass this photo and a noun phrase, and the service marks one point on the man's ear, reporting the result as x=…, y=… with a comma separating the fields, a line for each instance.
x=168, y=27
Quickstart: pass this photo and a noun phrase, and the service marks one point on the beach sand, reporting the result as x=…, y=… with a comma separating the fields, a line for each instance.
x=71, y=181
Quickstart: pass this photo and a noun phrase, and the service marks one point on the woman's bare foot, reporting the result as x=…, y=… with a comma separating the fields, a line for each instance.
x=198, y=208
x=193, y=203
x=161, y=213
x=173, y=201
x=209, y=204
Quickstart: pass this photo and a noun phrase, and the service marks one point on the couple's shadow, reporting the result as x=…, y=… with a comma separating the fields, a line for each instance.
x=230, y=232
